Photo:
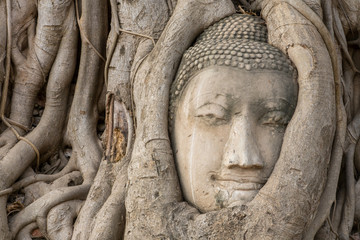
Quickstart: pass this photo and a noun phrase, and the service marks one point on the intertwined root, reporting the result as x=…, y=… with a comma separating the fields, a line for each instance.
x=44, y=52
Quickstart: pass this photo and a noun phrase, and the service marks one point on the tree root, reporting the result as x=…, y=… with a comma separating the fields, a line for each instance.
x=83, y=114
x=37, y=178
x=51, y=124
x=32, y=71
x=337, y=212
x=60, y=220
x=53, y=19
x=4, y=227
x=109, y=222
x=329, y=194
x=38, y=210
x=39, y=189
x=47, y=135
x=7, y=72
x=25, y=233
x=8, y=140
x=347, y=219
x=3, y=40
x=349, y=207
x=357, y=202
x=99, y=192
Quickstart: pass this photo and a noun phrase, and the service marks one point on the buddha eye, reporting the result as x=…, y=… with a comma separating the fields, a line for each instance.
x=275, y=119
x=212, y=119
x=212, y=114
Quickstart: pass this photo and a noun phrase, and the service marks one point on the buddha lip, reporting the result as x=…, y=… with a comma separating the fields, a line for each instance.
x=240, y=186
x=240, y=183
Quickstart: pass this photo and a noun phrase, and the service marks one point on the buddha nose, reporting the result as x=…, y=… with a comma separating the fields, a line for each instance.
x=241, y=149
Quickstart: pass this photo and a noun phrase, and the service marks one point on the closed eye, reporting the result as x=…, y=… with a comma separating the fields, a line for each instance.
x=275, y=119
x=212, y=114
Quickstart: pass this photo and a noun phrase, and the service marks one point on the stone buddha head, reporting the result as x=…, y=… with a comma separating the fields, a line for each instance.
x=230, y=103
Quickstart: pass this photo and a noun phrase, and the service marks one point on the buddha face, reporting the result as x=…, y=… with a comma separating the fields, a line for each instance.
x=228, y=131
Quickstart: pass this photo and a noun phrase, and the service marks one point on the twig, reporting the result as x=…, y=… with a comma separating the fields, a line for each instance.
x=8, y=57
x=109, y=57
x=138, y=34
x=242, y=10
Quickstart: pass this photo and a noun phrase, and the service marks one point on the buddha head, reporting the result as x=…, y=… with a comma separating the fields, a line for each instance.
x=230, y=103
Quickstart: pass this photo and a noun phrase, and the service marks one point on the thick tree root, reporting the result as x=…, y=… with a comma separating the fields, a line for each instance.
x=25, y=232
x=47, y=135
x=32, y=71
x=109, y=222
x=330, y=191
x=60, y=219
x=95, y=200
x=53, y=20
x=39, y=209
x=84, y=113
x=39, y=178
x=39, y=189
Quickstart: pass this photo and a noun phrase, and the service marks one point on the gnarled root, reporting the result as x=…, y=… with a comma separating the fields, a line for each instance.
x=54, y=19
x=109, y=222
x=25, y=233
x=39, y=178
x=60, y=219
x=83, y=115
x=38, y=210
x=47, y=135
